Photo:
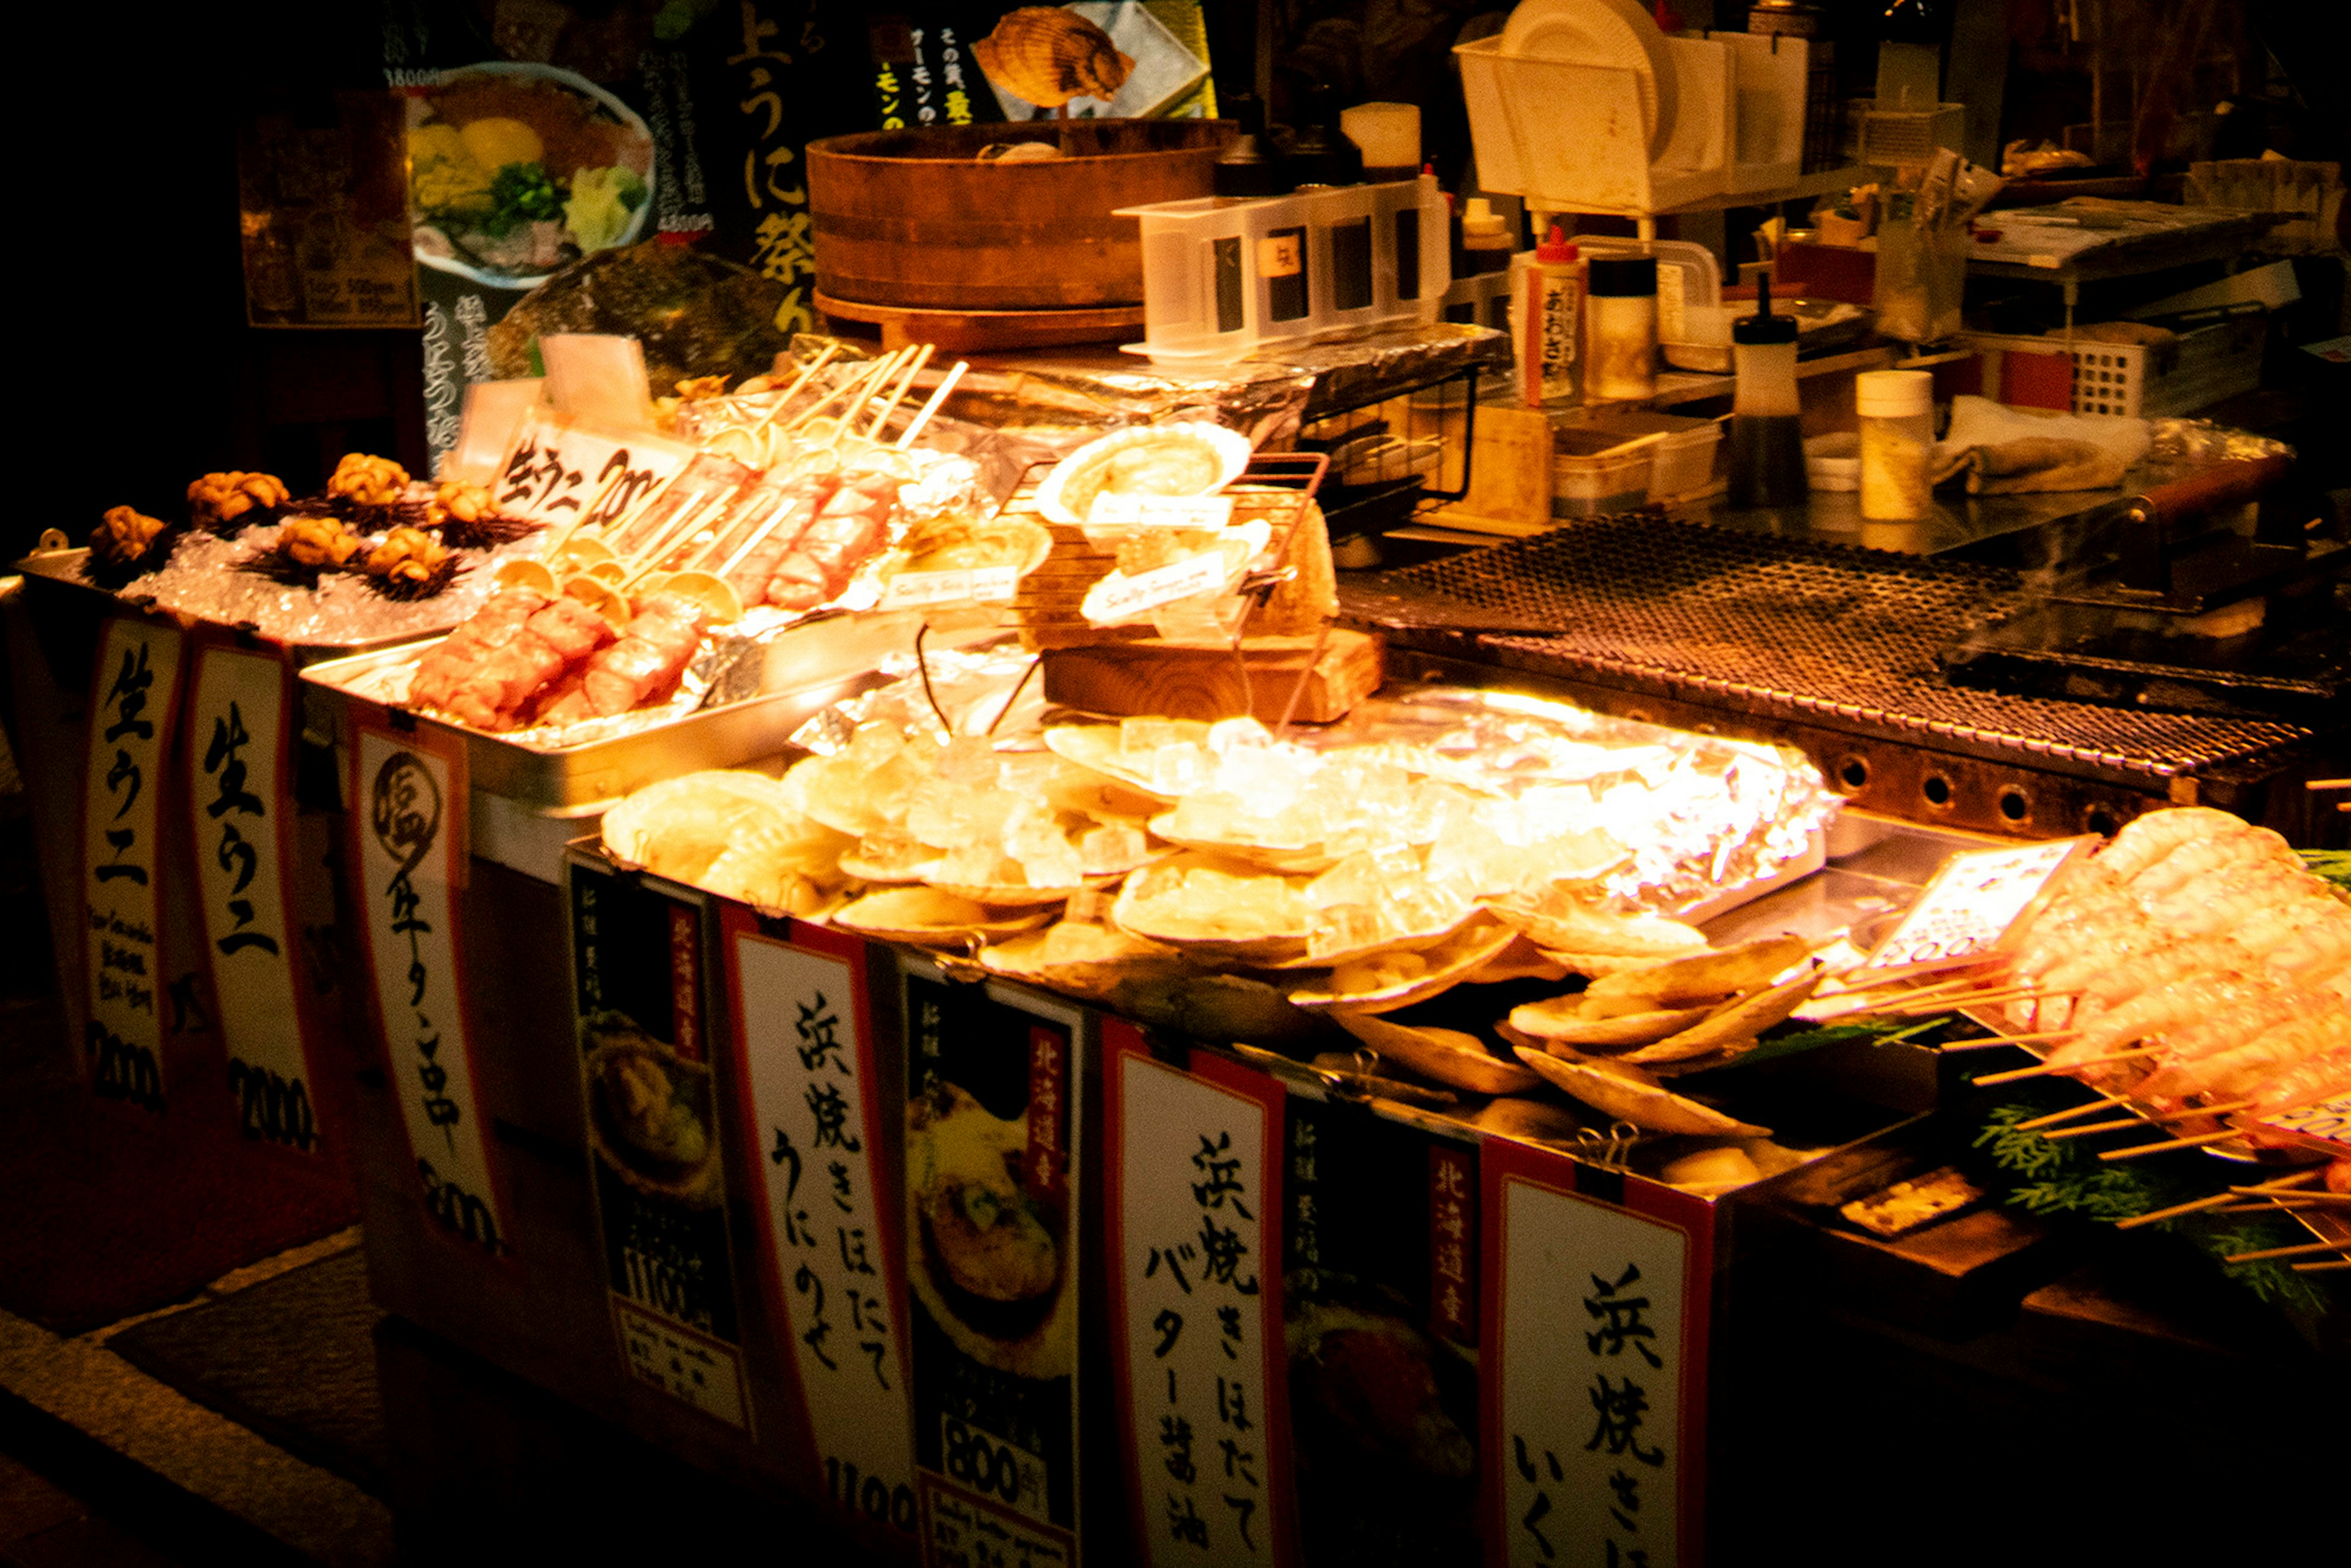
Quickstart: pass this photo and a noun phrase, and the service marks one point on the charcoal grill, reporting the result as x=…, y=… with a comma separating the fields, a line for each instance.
x=1832, y=648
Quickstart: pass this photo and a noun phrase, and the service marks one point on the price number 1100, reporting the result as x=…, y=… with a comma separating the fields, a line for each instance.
x=870, y=1495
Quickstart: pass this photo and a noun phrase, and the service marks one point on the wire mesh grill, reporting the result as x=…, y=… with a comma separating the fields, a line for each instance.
x=1766, y=623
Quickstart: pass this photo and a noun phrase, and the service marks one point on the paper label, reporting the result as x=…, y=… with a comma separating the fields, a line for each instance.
x=561, y=473
x=1672, y=293
x=1965, y=913
x=1590, y=1348
x=991, y=1230
x=237, y=795
x=2329, y=1119
x=134, y=694
x=407, y=807
x=968, y=585
x=1113, y=510
x=655, y=1159
x=829, y=1247
x=1197, y=1180
x=689, y=1368
x=1279, y=256
x=1118, y=597
x=1452, y=1244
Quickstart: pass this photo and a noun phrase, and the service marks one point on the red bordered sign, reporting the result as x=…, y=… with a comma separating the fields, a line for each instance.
x=134, y=694
x=408, y=829
x=830, y=1256
x=1194, y=1164
x=1593, y=1365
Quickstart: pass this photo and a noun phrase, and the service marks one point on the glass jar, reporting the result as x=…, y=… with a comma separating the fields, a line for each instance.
x=1620, y=297
x=1896, y=411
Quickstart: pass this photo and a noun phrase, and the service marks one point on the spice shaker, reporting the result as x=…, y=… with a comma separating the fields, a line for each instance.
x=1897, y=443
x=1620, y=303
x=1767, y=437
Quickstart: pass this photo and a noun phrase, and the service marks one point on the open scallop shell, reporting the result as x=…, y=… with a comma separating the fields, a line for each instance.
x=1096, y=746
x=1565, y=926
x=1303, y=861
x=1463, y=954
x=1446, y=1055
x=1193, y=458
x=1634, y=1096
x=924, y=916
x=1734, y=1025
x=1020, y=895
x=1700, y=977
x=1116, y=956
x=1132, y=914
x=1406, y=942
x=1562, y=1020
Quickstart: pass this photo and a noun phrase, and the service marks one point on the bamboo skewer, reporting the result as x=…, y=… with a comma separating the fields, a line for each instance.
x=2297, y=1250
x=799, y=381
x=2085, y=1109
x=1985, y=1042
x=2089, y=1129
x=905, y=383
x=2271, y=1188
x=2153, y=1118
x=2196, y=1141
x=2042, y=1069
x=2193, y=1205
x=1959, y=984
x=2325, y=1265
x=2328, y=784
x=690, y=518
x=2291, y=1202
x=1909, y=1008
x=906, y=438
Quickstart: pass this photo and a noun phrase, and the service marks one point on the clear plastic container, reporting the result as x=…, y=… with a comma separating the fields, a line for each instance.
x=1591, y=475
x=1681, y=464
x=1222, y=275
x=1897, y=408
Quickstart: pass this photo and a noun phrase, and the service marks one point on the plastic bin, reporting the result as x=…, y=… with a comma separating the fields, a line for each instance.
x=2207, y=364
x=1679, y=466
x=1589, y=479
x=1222, y=275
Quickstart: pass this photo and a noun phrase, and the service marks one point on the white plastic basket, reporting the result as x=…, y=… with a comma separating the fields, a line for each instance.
x=2207, y=364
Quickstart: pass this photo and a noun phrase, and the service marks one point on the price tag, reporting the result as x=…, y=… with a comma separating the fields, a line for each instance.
x=653, y=1135
x=237, y=799
x=1118, y=597
x=970, y=585
x=408, y=802
x=1280, y=254
x=832, y=1261
x=561, y=473
x=1593, y=1369
x=1967, y=912
x=134, y=695
x=992, y=1085
x=1194, y=1238
x=1110, y=511
x=2329, y=1121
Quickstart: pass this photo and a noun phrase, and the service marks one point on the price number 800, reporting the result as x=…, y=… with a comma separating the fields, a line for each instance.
x=991, y=1466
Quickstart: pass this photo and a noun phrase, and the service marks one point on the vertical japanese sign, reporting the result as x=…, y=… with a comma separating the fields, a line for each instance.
x=829, y=1247
x=238, y=802
x=1383, y=1379
x=638, y=973
x=408, y=803
x=778, y=38
x=1596, y=1357
x=1195, y=1167
x=991, y=1231
x=134, y=695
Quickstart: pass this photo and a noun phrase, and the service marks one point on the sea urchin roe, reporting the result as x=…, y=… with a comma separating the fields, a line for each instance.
x=370, y=481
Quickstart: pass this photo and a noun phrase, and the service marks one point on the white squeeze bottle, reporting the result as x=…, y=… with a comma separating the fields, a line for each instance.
x=1549, y=312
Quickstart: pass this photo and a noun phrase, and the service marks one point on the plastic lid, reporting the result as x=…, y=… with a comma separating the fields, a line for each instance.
x=1480, y=218
x=1892, y=394
x=1556, y=247
x=1623, y=277
x=1755, y=330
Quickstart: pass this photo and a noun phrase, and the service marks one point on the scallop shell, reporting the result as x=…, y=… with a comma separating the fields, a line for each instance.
x=1050, y=55
x=1134, y=915
x=1461, y=956
x=1194, y=458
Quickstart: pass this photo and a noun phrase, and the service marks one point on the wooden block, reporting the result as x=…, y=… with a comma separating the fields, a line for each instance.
x=1509, y=475
x=1151, y=679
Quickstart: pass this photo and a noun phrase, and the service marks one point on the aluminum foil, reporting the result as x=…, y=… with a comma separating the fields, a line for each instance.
x=2200, y=442
x=1698, y=813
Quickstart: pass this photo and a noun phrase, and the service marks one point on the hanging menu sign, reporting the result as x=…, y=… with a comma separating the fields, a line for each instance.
x=237, y=790
x=649, y=1086
x=991, y=1233
x=408, y=803
x=830, y=1248
x=1594, y=1371
x=134, y=692
x=563, y=474
x=1195, y=1169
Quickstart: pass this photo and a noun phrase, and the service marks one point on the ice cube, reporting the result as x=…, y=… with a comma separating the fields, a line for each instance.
x=1178, y=769
x=1113, y=848
x=1343, y=928
x=1227, y=734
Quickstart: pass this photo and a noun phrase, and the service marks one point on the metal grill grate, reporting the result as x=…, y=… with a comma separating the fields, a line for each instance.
x=1765, y=625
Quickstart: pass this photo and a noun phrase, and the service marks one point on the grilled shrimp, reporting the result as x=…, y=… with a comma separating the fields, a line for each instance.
x=2202, y=857
x=2233, y=897
x=2147, y=839
x=2259, y=1063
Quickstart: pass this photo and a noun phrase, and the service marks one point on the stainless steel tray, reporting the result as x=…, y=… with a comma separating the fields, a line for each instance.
x=809, y=667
